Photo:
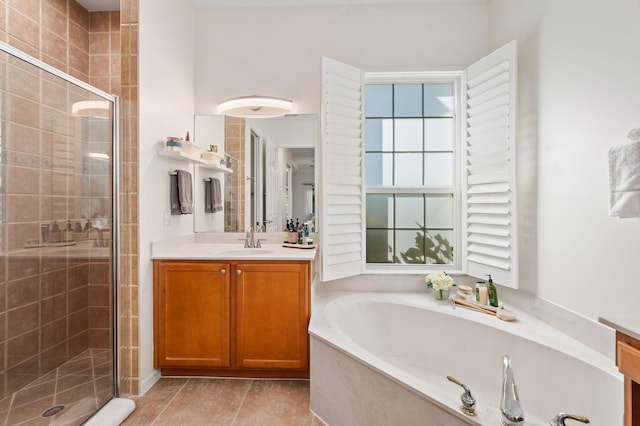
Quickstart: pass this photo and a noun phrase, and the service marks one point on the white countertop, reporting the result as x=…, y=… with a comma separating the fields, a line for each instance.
x=626, y=324
x=219, y=247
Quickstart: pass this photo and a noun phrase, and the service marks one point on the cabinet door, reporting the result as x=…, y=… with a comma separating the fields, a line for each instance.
x=272, y=317
x=191, y=314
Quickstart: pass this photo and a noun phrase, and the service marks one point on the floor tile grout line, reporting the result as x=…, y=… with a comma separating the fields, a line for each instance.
x=175, y=395
x=244, y=398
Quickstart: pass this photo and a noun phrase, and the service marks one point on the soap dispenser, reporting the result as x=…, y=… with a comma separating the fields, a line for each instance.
x=493, y=293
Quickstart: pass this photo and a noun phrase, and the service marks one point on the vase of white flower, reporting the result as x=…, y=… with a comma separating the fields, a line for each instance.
x=440, y=284
x=441, y=294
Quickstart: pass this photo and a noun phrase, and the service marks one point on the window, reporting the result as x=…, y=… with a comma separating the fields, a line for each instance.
x=433, y=200
x=411, y=187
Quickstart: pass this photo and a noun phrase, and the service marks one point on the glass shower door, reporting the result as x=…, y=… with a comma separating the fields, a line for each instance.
x=57, y=249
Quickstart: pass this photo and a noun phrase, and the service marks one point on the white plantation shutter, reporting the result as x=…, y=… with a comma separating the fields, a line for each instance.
x=491, y=167
x=341, y=180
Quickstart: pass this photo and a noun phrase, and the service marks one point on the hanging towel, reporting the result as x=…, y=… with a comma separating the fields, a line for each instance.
x=185, y=194
x=208, y=207
x=173, y=196
x=216, y=195
x=624, y=178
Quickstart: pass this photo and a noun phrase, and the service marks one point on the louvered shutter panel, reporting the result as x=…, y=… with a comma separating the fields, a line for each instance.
x=341, y=180
x=491, y=167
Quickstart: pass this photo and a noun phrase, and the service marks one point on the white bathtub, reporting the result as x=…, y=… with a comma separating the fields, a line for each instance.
x=383, y=358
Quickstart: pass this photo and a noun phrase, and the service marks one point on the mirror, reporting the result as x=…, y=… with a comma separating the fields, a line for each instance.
x=268, y=174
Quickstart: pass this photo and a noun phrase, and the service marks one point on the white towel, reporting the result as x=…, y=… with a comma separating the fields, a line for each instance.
x=624, y=179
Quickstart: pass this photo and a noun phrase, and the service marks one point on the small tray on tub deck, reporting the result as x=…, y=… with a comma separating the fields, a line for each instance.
x=299, y=246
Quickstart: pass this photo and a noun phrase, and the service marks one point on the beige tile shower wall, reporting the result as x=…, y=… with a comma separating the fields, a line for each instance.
x=104, y=51
x=129, y=277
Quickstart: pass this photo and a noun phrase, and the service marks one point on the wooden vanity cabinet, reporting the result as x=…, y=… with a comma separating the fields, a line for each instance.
x=191, y=314
x=236, y=318
x=272, y=315
x=628, y=361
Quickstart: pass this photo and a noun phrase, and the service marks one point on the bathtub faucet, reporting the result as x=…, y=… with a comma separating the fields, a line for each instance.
x=468, y=406
x=561, y=417
x=511, y=412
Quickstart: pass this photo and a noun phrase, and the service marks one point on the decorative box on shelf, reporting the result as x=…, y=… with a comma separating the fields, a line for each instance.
x=212, y=157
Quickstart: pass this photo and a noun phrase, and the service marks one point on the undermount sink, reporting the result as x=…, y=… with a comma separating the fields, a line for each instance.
x=243, y=252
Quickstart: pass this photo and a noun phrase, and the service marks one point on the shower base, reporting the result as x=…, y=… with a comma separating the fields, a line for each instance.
x=82, y=385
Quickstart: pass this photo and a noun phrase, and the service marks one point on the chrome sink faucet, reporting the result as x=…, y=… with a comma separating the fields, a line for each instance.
x=510, y=410
x=248, y=243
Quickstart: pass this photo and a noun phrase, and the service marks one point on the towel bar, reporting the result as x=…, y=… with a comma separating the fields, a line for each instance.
x=173, y=173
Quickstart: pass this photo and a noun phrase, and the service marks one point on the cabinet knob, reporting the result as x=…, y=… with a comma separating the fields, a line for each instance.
x=223, y=271
x=239, y=271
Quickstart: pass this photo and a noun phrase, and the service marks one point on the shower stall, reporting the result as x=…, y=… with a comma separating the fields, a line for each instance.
x=58, y=246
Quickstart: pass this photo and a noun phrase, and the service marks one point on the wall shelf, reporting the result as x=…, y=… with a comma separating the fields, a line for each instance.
x=179, y=155
x=216, y=168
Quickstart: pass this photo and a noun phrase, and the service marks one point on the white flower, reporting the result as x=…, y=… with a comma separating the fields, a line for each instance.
x=439, y=281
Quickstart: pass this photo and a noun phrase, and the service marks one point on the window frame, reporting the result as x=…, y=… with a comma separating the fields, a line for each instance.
x=456, y=77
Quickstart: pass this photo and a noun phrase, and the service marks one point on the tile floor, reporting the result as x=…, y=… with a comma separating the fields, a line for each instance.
x=81, y=385
x=213, y=401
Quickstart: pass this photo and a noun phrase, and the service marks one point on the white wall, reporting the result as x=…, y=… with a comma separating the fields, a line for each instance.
x=579, y=96
x=167, y=90
x=277, y=51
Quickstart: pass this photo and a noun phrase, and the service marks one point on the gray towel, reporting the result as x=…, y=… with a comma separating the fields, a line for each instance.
x=185, y=193
x=208, y=207
x=174, y=198
x=216, y=195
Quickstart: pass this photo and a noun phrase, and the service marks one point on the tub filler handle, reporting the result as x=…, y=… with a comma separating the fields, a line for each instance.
x=468, y=406
x=561, y=417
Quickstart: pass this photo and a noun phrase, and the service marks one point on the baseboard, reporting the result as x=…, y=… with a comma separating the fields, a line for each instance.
x=149, y=381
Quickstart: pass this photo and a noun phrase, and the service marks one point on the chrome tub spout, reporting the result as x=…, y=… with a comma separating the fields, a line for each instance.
x=510, y=409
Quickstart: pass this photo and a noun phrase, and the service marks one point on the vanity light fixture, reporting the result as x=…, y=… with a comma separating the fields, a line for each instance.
x=255, y=107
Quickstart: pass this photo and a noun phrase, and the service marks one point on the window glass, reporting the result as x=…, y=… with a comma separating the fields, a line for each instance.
x=438, y=247
x=438, y=134
x=379, y=134
x=410, y=142
x=379, y=100
x=438, y=100
x=407, y=100
x=409, y=211
x=410, y=246
x=408, y=169
x=379, y=169
x=379, y=246
x=438, y=169
x=379, y=211
x=408, y=134
x=439, y=211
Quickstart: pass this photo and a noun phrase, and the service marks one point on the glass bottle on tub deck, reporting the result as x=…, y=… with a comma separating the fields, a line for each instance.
x=441, y=294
